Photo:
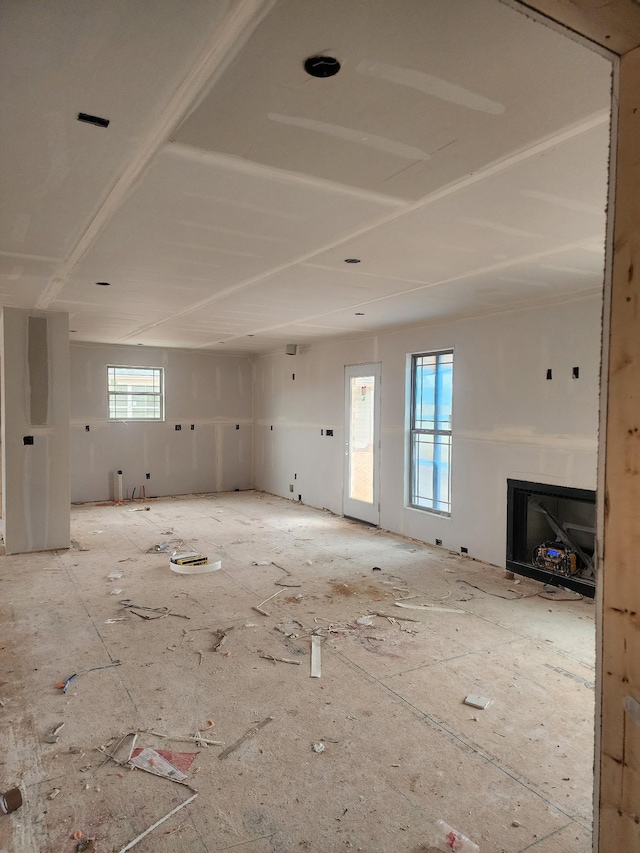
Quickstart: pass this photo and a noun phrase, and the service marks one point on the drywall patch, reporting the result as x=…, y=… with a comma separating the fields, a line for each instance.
x=38, y=360
x=431, y=85
x=567, y=203
x=499, y=227
x=348, y=134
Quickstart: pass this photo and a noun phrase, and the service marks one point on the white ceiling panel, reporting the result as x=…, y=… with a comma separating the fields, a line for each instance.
x=427, y=92
x=460, y=155
x=22, y=280
x=116, y=60
x=195, y=227
x=530, y=208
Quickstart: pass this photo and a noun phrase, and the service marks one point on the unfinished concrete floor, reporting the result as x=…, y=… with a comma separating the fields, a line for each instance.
x=401, y=748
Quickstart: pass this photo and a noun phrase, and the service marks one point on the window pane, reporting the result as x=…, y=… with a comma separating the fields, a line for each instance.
x=135, y=393
x=433, y=389
x=422, y=480
x=444, y=392
x=432, y=400
x=135, y=379
x=431, y=481
x=361, y=438
x=425, y=390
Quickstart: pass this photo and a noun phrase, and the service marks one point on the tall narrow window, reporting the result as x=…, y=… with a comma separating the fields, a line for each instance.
x=431, y=403
x=135, y=393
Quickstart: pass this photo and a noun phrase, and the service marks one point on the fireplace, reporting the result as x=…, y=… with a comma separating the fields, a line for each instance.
x=551, y=534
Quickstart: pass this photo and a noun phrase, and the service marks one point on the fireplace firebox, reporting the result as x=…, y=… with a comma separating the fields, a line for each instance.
x=551, y=533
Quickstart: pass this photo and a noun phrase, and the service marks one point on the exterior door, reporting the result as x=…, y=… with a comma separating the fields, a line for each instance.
x=362, y=443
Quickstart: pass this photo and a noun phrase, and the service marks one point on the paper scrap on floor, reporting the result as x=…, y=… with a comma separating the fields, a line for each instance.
x=153, y=762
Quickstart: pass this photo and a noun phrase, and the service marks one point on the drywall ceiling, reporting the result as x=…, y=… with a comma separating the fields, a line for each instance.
x=460, y=155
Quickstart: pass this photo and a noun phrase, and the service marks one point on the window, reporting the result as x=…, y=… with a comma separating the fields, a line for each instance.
x=135, y=393
x=431, y=401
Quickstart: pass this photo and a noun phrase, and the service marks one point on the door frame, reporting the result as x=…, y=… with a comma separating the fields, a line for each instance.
x=352, y=508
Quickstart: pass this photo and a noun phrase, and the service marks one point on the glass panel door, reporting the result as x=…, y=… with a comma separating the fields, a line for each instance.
x=362, y=417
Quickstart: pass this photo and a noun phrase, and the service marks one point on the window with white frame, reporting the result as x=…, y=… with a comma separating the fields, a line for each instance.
x=431, y=431
x=135, y=393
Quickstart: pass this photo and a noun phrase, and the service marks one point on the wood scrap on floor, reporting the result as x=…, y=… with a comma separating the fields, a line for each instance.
x=185, y=738
x=158, y=823
x=281, y=660
x=252, y=732
x=258, y=607
x=316, y=656
x=393, y=616
x=433, y=608
x=220, y=638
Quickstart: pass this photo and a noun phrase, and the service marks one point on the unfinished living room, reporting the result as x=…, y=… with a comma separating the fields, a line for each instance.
x=304, y=309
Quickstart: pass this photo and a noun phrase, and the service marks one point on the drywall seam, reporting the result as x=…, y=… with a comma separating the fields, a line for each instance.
x=159, y=348
x=259, y=170
x=234, y=31
x=497, y=167
x=167, y=422
x=369, y=335
x=561, y=442
x=281, y=424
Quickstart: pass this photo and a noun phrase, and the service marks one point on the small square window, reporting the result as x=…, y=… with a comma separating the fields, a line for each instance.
x=135, y=393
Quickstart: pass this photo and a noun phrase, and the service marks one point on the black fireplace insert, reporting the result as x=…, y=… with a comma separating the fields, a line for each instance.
x=551, y=532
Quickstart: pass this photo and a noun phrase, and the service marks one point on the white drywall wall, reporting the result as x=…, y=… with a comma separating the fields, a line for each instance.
x=212, y=392
x=35, y=387
x=509, y=421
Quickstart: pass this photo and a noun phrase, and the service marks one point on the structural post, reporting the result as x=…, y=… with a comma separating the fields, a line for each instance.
x=35, y=430
x=619, y=630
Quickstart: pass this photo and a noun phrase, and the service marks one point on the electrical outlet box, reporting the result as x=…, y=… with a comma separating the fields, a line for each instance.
x=178, y=427
x=329, y=432
x=290, y=487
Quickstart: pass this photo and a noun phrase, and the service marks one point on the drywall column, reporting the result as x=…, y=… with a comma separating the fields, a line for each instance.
x=619, y=634
x=35, y=430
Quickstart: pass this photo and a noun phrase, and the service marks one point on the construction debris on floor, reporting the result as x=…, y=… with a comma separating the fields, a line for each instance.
x=365, y=747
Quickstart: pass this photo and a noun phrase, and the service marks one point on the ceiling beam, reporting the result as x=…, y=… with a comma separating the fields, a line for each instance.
x=613, y=24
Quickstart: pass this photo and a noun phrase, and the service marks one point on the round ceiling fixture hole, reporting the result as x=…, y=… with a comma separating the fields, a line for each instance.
x=322, y=66
x=352, y=260
x=359, y=313
x=103, y=283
